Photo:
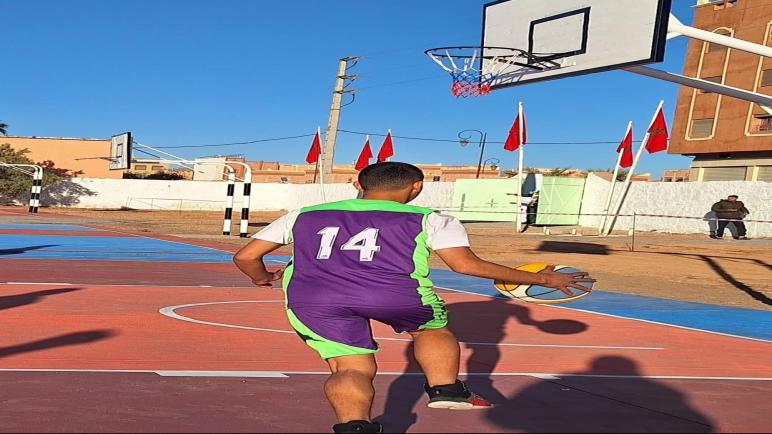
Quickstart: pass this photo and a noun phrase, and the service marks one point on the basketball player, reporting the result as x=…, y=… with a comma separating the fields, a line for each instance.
x=368, y=259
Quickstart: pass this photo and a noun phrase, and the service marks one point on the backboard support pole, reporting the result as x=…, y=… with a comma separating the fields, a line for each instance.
x=761, y=99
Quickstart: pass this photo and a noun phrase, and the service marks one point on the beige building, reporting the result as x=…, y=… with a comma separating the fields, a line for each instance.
x=272, y=171
x=87, y=158
x=730, y=139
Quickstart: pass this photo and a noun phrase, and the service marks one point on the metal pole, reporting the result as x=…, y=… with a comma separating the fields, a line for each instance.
x=763, y=100
x=630, y=174
x=483, y=139
x=613, y=183
x=519, y=219
x=245, y=203
x=228, y=219
x=676, y=28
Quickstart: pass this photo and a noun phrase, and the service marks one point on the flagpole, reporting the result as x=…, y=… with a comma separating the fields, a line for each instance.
x=628, y=180
x=320, y=162
x=520, y=168
x=607, y=207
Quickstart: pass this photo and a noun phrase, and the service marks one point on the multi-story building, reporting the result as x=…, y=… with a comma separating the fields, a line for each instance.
x=730, y=139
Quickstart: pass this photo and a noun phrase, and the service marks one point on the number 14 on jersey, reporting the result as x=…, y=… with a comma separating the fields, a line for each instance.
x=366, y=242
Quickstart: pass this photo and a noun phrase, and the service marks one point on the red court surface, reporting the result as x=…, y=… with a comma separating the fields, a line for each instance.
x=117, y=346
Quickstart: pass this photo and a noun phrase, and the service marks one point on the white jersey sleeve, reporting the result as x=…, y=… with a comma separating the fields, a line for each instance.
x=445, y=232
x=280, y=231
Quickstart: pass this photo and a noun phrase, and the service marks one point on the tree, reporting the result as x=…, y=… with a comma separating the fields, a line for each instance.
x=621, y=175
x=14, y=183
x=3, y=128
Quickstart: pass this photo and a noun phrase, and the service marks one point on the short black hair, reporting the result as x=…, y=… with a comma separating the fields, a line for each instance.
x=389, y=176
x=734, y=196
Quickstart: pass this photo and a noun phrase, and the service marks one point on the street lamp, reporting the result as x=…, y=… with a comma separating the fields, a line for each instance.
x=464, y=137
x=494, y=162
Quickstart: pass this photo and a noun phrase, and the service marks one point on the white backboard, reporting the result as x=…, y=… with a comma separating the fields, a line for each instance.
x=120, y=151
x=579, y=36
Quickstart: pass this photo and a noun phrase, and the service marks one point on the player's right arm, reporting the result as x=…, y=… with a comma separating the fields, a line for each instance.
x=250, y=258
x=463, y=260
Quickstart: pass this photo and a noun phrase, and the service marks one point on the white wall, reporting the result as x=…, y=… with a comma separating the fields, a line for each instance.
x=210, y=195
x=690, y=199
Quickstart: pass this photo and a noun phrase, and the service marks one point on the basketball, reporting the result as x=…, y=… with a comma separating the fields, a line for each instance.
x=541, y=294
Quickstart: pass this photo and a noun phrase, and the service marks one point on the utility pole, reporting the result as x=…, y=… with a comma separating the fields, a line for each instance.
x=341, y=88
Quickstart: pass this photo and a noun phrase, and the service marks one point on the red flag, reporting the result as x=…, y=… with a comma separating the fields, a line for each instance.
x=513, y=139
x=315, y=151
x=387, y=149
x=626, y=147
x=364, y=156
x=657, y=134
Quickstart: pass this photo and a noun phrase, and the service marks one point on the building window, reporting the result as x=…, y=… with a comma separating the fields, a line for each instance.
x=702, y=128
x=140, y=167
x=766, y=78
x=761, y=124
x=716, y=79
x=715, y=48
x=436, y=178
x=724, y=173
x=156, y=168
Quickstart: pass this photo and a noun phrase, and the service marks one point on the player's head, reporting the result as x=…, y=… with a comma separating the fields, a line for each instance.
x=732, y=198
x=401, y=182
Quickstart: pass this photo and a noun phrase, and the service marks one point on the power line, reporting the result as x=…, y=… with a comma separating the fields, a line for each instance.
x=274, y=139
x=430, y=139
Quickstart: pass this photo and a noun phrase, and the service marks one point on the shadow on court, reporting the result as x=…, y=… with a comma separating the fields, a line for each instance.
x=573, y=247
x=581, y=404
x=20, y=250
x=756, y=295
x=491, y=317
x=78, y=338
x=17, y=300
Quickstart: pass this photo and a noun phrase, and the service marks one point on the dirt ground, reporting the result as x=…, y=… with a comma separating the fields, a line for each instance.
x=681, y=267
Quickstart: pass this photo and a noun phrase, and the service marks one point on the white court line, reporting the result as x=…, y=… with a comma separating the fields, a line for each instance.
x=287, y=374
x=37, y=283
x=623, y=317
x=170, y=312
x=163, y=373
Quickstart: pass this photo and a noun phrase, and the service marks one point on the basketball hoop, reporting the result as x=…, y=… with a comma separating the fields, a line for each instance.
x=474, y=69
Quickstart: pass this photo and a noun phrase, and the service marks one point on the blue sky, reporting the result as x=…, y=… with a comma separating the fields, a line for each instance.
x=201, y=72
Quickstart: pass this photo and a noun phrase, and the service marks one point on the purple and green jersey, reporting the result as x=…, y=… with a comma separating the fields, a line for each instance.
x=358, y=260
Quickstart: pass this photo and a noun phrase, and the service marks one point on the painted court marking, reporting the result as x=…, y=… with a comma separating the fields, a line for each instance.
x=286, y=374
x=170, y=312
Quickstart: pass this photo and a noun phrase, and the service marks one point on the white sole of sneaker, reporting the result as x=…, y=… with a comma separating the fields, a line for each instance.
x=450, y=405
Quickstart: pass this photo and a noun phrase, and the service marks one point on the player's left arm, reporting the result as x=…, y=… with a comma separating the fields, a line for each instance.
x=249, y=259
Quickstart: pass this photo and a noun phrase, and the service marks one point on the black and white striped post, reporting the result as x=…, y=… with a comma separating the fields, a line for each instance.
x=244, y=224
x=37, y=182
x=227, y=221
x=37, y=187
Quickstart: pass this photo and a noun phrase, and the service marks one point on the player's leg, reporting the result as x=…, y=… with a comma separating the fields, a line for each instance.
x=436, y=350
x=350, y=387
x=439, y=354
x=741, y=230
x=345, y=341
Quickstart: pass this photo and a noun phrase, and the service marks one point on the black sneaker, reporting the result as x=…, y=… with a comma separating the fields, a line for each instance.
x=714, y=237
x=454, y=397
x=742, y=238
x=358, y=426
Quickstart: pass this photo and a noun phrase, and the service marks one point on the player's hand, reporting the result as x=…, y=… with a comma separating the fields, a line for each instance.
x=269, y=278
x=564, y=281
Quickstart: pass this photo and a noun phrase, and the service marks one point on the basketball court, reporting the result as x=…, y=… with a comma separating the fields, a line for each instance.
x=114, y=331
x=123, y=332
